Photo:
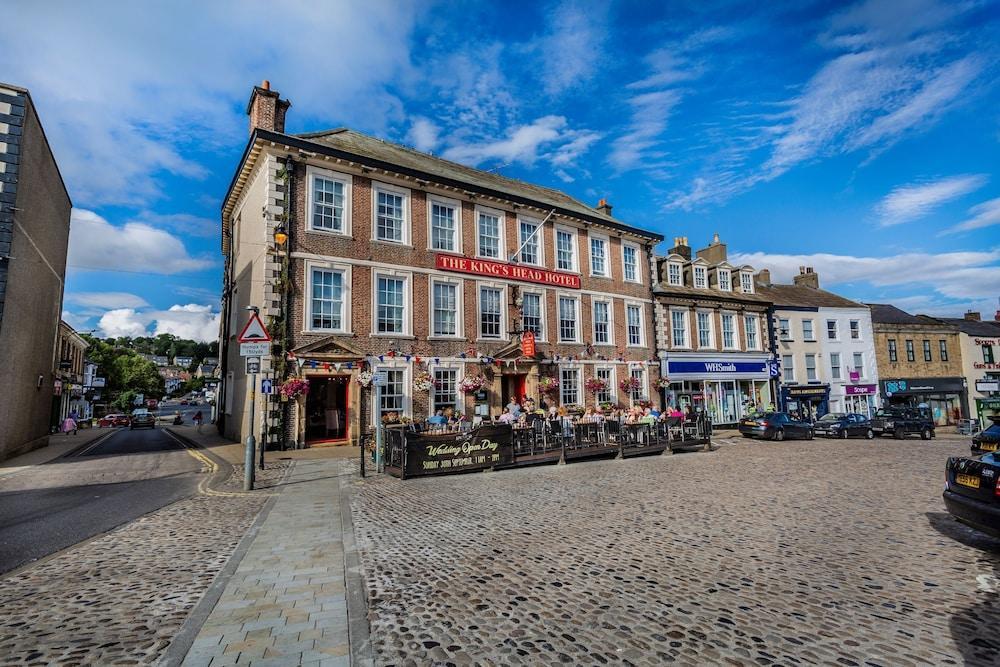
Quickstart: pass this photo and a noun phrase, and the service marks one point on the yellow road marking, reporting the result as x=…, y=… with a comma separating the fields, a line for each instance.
x=209, y=466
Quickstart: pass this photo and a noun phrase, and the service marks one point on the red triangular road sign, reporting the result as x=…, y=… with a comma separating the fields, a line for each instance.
x=254, y=331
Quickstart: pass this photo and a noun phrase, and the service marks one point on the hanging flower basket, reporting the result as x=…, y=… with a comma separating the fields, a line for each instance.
x=294, y=388
x=548, y=386
x=663, y=383
x=471, y=384
x=629, y=385
x=423, y=381
x=365, y=378
x=595, y=385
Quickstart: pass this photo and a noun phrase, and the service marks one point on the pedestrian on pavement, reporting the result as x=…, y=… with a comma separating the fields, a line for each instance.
x=197, y=420
x=69, y=424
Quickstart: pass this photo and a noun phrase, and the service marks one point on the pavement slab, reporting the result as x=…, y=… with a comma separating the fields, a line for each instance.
x=801, y=552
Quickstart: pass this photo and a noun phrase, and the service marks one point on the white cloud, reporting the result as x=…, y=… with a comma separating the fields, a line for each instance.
x=910, y=202
x=424, y=134
x=185, y=223
x=94, y=243
x=953, y=275
x=650, y=113
x=573, y=47
x=124, y=89
x=190, y=321
x=523, y=143
x=106, y=300
x=985, y=214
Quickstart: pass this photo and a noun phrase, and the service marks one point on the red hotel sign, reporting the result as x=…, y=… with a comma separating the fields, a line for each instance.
x=484, y=267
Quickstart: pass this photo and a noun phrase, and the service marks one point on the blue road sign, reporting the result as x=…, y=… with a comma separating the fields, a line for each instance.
x=267, y=386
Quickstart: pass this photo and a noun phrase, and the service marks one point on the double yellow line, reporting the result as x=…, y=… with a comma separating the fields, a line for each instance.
x=210, y=467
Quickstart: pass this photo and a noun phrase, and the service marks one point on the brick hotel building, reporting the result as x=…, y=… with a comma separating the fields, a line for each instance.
x=395, y=260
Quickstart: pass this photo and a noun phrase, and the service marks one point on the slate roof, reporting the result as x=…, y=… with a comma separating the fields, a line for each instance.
x=884, y=313
x=372, y=149
x=989, y=328
x=804, y=296
x=708, y=294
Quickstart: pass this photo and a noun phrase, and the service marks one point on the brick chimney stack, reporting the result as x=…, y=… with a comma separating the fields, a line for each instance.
x=763, y=278
x=807, y=277
x=973, y=316
x=715, y=252
x=604, y=207
x=681, y=247
x=266, y=109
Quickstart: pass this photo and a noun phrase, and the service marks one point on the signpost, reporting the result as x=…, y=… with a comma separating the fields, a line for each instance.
x=267, y=386
x=379, y=380
x=251, y=340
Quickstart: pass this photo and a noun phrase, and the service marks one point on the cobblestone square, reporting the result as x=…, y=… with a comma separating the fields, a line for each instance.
x=803, y=552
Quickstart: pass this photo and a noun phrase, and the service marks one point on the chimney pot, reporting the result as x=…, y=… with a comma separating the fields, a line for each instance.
x=265, y=84
x=973, y=316
x=604, y=207
x=266, y=109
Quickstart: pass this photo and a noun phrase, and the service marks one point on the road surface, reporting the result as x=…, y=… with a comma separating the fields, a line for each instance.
x=107, y=483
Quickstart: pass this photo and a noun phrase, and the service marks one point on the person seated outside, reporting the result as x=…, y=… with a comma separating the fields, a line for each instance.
x=506, y=417
x=599, y=415
x=655, y=412
x=514, y=408
x=647, y=417
x=438, y=419
x=589, y=416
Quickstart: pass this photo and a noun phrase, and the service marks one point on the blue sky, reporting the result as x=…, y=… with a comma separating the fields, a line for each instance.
x=861, y=139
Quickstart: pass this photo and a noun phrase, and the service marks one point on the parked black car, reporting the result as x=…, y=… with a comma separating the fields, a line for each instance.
x=972, y=491
x=841, y=425
x=142, y=417
x=775, y=426
x=987, y=440
x=901, y=422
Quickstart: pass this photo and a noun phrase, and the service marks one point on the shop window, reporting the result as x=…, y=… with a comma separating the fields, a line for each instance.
x=569, y=386
x=943, y=349
x=910, y=354
x=927, y=351
x=893, y=352
x=810, y=367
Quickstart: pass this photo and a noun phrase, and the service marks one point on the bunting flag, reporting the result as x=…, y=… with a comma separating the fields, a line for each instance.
x=392, y=353
x=337, y=365
x=350, y=364
x=417, y=359
x=300, y=363
x=462, y=355
x=326, y=366
x=437, y=360
x=312, y=363
x=381, y=357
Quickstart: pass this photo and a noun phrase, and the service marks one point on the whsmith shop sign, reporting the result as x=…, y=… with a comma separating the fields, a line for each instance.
x=719, y=368
x=443, y=453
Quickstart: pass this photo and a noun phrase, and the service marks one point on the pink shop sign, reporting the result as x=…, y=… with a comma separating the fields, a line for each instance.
x=859, y=389
x=855, y=376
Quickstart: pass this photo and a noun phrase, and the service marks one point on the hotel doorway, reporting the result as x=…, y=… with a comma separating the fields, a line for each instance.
x=514, y=386
x=326, y=408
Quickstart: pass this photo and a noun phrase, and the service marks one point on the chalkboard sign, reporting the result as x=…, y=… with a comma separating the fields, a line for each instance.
x=442, y=453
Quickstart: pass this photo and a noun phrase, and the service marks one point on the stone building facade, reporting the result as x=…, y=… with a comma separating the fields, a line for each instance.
x=34, y=234
x=825, y=346
x=919, y=362
x=980, y=345
x=400, y=263
x=69, y=392
x=712, y=332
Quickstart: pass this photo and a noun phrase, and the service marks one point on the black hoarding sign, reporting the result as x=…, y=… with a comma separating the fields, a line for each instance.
x=440, y=453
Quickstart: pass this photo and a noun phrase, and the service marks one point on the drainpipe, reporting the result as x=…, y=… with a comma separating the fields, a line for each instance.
x=772, y=342
x=287, y=296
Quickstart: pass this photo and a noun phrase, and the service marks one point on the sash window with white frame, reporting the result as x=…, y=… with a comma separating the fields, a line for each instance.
x=531, y=252
x=489, y=235
x=599, y=256
x=834, y=365
x=638, y=373
x=444, y=226
x=678, y=328
x=531, y=313
x=328, y=198
x=730, y=340
x=390, y=218
x=602, y=323
x=750, y=324
x=567, y=320
x=700, y=280
x=810, y=367
x=746, y=281
x=392, y=395
x=633, y=322
x=565, y=250
x=704, y=329
x=725, y=280
x=605, y=373
x=807, y=330
x=490, y=312
x=569, y=386
x=390, y=305
x=630, y=263
x=445, y=391
x=859, y=363
x=445, y=309
x=674, y=274
x=855, y=327
x=787, y=368
x=327, y=303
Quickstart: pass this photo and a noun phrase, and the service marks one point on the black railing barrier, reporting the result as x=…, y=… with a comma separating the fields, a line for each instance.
x=417, y=450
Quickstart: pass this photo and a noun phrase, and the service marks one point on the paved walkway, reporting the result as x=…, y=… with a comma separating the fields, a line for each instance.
x=287, y=602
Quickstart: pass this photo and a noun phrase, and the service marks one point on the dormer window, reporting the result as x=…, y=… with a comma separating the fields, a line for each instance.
x=725, y=280
x=674, y=274
x=746, y=282
x=700, y=280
